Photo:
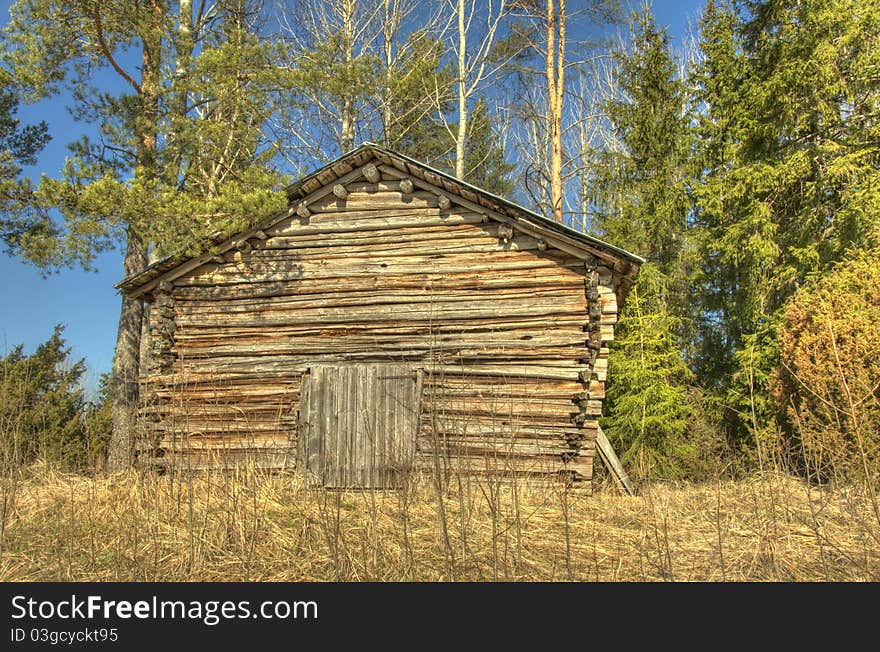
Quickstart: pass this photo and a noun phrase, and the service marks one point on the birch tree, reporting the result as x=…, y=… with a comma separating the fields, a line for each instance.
x=357, y=71
x=544, y=104
x=478, y=27
x=555, y=70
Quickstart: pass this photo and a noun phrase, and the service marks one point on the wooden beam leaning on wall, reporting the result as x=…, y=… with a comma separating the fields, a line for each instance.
x=612, y=463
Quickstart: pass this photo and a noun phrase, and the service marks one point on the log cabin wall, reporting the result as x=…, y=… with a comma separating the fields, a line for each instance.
x=509, y=334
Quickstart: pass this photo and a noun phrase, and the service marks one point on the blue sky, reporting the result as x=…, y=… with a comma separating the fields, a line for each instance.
x=85, y=301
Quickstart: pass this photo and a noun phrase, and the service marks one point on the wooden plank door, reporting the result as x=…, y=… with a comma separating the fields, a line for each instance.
x=358, y=424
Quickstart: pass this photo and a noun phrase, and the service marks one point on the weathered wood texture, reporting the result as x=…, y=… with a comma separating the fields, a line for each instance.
x=511, y=333
x=612, y=463
x=358, y=424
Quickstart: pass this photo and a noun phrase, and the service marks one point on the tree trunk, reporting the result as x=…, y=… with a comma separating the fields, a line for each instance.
x=124, y=375
x=346, y=136
x=126, y=369
x=390, y=26
x=461, y=136
x=555, y=88
x=185, y=46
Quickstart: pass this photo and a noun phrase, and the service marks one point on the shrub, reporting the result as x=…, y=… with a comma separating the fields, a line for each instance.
x=42, y=406
x=827, y=385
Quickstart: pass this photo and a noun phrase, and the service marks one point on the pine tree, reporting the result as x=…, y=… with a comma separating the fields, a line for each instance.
x=122, y=189
x=19, y=146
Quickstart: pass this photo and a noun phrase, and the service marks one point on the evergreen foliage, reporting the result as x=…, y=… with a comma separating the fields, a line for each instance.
x=485, y=165
x=647, y=399
x=640, y=189
x=19, y=146
x=181, y=152
x=42, y=408
x=787, y=179
x=641, y=203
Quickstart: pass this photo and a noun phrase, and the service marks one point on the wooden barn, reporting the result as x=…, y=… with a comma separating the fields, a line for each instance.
x=393, y=318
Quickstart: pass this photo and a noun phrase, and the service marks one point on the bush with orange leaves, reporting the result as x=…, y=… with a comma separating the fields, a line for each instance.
x=827, y=386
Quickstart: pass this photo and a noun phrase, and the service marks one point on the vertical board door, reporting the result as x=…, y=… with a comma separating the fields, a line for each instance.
x=358, y=424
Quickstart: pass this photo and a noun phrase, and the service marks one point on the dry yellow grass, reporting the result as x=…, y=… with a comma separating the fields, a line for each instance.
x=252, y=526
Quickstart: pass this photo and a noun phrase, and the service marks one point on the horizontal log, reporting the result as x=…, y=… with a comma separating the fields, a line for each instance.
x=476, y=460
x=231, y=407
x=503, y=410
x=379, y=200
x=370, y=186
x=346, y=223
x=255, y=287
x=223, y=362
x=424, y=259
x=362, y=298
x=288, y=366
x=193, y=439
x=204, y=427
x=365, y=344
x=377, y=238
x=518, y=448
x=327, y=255
x=214, y=275
x=447, y=311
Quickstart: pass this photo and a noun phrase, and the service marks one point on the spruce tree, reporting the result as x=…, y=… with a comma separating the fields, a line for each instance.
x=729, y=265
x=641, y=203
x=788, y=176
x=485, y=165
x=41, y=405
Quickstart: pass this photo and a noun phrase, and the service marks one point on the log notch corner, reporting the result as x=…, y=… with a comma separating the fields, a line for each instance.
x=603, y=283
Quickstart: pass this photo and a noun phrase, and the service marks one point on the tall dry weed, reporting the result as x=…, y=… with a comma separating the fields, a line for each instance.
x=251, y=525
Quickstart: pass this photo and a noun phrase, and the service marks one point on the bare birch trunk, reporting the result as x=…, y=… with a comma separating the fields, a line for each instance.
x=461, y=135
x=389, y=28
x=347, y=119
x=555, y=88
